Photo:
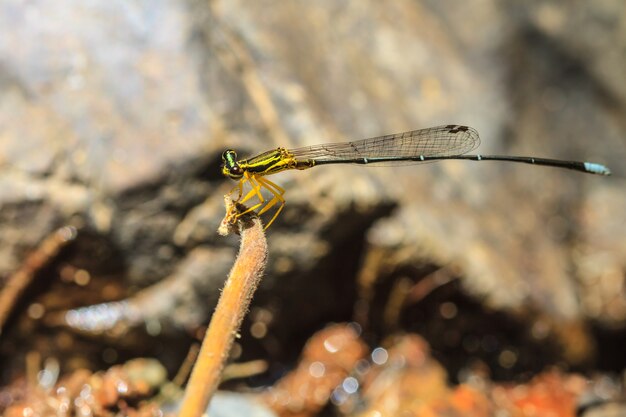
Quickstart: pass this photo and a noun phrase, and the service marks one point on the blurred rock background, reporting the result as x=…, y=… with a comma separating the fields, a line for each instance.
x=114, y=114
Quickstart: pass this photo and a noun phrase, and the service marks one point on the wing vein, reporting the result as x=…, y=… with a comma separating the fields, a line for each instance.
x=446, y=140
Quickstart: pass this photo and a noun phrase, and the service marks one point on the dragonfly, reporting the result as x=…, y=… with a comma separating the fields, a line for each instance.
x=415, y=146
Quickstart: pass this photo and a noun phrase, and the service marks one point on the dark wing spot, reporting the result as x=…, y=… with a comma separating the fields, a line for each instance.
x=457, y=128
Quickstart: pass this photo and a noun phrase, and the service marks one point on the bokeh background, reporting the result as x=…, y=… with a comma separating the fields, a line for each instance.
x=114, y=114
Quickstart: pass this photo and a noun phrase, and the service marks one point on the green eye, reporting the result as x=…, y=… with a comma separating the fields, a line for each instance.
x=229, y=155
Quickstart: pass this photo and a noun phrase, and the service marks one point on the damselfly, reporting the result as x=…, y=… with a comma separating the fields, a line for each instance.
x=431, y=144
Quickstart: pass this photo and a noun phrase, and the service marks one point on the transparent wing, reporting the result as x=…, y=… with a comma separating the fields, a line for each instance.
x=446, y=140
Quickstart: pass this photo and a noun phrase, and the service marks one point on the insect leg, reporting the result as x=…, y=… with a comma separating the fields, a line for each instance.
x=256, y=190
x=277, y=192
x=256, y=187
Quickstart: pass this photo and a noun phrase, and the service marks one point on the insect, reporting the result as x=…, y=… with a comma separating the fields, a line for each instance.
x=430, y=144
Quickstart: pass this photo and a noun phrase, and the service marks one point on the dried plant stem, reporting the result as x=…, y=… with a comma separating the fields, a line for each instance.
x=231, y=308
x=21, y=279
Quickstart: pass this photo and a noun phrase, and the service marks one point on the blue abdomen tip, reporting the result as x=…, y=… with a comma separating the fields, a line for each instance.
x=597, y=168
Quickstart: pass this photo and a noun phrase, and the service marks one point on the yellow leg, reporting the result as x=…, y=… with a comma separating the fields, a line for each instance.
x=257, y=183
x=256, y=190
x=256, y=187
x=280, y=190
x=277, y=192
x=239, y=188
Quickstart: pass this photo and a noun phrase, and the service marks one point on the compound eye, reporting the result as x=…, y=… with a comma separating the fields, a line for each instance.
x=236, y=171
x=229, y=154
